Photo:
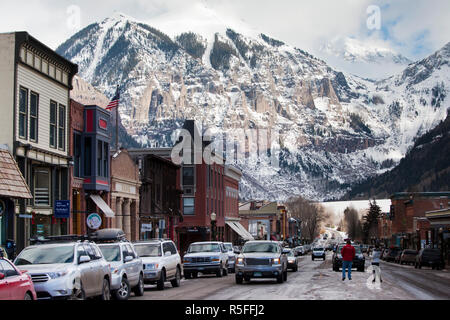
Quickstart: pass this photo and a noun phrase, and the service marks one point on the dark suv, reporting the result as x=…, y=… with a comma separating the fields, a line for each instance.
x=429, y=257
x=392, y=254
x=359, y=260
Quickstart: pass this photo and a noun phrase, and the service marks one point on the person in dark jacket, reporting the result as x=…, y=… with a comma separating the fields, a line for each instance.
x=348, y=254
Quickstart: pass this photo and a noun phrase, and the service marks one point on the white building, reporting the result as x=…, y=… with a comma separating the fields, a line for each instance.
x=35, y=84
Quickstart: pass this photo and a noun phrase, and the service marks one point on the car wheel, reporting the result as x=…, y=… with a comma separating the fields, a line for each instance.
x=28, y=296
x=361, y=269
x=187, y=275
x=295, y=268
x=219, y=272
x=106, y=292
x=280, y=278
x=247, y=279
x=195, y=274
x=420, y=265
x=162, y=279
x=312, y=258
x=177, y=281
x=123, y=293
x=285, y=274
x=78, y=292
x=239, y=279
x=139, y=289
x=415, y=265
x=225, y=272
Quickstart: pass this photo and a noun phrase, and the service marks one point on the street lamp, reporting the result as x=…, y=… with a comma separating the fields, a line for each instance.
x=213, y=226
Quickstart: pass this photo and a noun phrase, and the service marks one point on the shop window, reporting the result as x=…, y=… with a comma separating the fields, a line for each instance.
x=105, y=159
x=42, y=187
x=87, y=156
x=62, y=127
x=53, y=116
x=77, y=155
x=188, y=176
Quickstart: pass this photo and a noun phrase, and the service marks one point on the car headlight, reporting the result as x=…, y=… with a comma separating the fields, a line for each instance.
x=276, y=261
x=240, y=261
x=291, y=260
x=151, y=266
x=55, y=275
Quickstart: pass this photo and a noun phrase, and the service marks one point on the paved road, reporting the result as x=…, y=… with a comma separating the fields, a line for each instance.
x=315, y=280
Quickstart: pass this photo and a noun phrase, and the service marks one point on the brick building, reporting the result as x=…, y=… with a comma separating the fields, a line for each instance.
x=125, y=184
x=90, y=170
x=408, y=214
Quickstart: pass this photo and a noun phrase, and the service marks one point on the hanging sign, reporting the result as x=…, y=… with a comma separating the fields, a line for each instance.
x=94, y=221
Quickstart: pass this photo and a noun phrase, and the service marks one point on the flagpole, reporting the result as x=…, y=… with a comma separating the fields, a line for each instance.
x=117, y=125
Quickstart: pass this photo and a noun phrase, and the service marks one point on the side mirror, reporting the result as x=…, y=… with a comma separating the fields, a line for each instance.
x=84, y=259
x=2, y=276
x=128, y=258
x=167, y=254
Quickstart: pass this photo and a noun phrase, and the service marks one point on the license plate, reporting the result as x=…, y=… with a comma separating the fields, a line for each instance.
x=201, y=268
x=257, y=274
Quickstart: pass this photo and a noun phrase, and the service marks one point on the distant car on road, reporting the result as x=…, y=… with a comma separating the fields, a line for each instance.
x=408, y=257
x=392, y=254
x=205, y=257
x=358, y=262
x=300, y=250
x=161, y=262
x=318, y=253
x=429, y=257
x=14, y=283
x=292, y=260
x=262, y=259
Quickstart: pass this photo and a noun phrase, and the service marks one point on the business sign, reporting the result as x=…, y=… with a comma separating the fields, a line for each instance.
x=94, y=221
x=146, y=227
x=62, y=209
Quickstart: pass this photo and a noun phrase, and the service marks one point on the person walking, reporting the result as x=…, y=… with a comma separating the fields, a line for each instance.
x=348, y=254
x=376, y=255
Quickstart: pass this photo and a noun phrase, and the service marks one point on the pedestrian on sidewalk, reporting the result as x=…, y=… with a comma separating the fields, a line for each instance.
x=348, y=254
x=376, y=263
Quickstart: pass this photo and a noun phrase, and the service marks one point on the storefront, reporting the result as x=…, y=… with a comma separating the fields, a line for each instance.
x=440, y=231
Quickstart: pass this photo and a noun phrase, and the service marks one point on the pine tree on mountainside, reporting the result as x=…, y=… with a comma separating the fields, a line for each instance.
x=370, y=224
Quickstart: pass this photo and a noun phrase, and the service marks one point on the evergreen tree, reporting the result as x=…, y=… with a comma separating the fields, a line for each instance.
x=370, y=224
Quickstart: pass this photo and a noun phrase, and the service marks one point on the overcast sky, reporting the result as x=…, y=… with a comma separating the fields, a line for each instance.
x=413, y=28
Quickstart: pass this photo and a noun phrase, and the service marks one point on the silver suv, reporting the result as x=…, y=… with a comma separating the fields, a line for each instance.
x=162, y=262
x=126, y=266
x=205, y=257
x=262, y=259
x=64, y=268
x=231, y=256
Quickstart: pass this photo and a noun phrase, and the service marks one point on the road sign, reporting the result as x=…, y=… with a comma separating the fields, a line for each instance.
x=62, y=209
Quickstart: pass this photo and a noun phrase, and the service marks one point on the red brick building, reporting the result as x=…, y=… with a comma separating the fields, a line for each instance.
x=409, y=225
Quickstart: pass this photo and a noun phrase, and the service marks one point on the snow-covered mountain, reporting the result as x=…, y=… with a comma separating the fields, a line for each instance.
x=335, y=128
x=368, y=59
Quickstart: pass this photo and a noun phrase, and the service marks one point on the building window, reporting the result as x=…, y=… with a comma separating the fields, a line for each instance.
x=87, y=156
x=188, y=176
x=105, y=159
x=53, y=107
x=58, y=74
x=23, y=112
x=99, y=158
x=62, y=127
x=44, y=66
x=34, y=107
x=42, y=187
x=77, y=155
x=188, y=206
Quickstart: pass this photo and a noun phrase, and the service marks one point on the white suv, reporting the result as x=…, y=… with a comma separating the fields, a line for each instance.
x=205, y=257
x=231, y=256
x=161, y=260
x=66, y=268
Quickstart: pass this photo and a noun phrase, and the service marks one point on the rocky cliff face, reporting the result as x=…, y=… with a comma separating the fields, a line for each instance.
x=334, y=128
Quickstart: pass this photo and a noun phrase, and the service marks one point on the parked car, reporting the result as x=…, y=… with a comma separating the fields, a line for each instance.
x=162, y=262
x=262, y=259
x=407, y=257
x=358, y=262
x=14, y=283
x=429, y=257
x=231, y=256
x=318, y=253
x=205, y=257
x=392, y=254
x=292, y=260
x=384, y=253
x=61, y=267
x=126, y=267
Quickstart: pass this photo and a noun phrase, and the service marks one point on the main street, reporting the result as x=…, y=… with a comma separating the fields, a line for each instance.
x=315, y=280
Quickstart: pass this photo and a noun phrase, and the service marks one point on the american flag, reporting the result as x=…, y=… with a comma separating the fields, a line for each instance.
x=115, y=101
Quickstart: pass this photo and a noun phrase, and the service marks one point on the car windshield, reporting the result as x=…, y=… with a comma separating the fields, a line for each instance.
x=204, y=247
x=291, y=254
x=45, y=255
x=261, y=247
x=228, y=246
x=357, y=250
x=318, y=249
x=111, y=253
x=148, y=250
